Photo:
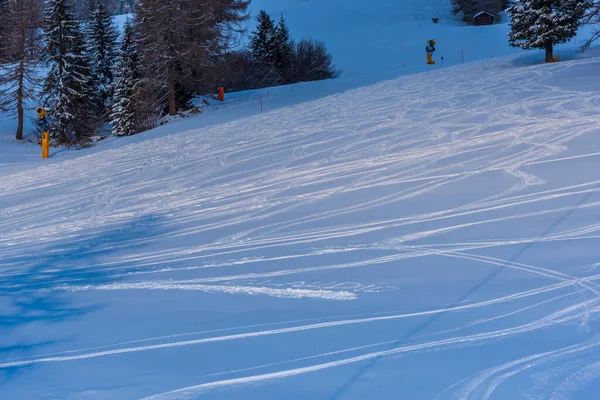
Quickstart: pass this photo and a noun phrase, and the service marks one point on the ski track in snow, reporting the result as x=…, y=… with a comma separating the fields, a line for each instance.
x=263, y=206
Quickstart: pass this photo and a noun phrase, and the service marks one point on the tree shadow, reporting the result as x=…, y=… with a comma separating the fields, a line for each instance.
x=33, y=298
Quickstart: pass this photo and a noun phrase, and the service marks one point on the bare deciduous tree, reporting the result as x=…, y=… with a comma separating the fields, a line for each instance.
x=21, y=57
x=180, y=39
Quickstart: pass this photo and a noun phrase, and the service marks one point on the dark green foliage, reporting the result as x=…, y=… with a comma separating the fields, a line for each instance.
x=276, y=59
x=102, y=42
x=262, y=43
x=124, y=118
x=284, y=48
x=542, y=24
x=69, y=87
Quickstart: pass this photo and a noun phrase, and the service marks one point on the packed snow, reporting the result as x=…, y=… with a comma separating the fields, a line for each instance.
x=434, y=236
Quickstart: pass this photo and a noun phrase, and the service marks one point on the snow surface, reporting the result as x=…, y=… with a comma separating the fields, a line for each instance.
x=434, y=236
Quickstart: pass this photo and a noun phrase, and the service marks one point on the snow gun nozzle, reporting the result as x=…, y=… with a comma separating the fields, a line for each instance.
x=41, y=112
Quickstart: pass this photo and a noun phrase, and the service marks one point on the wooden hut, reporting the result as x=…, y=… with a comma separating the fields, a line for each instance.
x=484, y=18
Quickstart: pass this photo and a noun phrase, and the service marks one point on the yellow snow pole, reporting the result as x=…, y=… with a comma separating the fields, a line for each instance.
x=45, y=144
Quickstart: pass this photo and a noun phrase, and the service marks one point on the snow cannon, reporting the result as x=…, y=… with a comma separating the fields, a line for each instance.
x=430, y=49
x=41, y=113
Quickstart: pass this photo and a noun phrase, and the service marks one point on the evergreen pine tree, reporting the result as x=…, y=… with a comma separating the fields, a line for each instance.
x=102, y=39
x=263, y=46
x=69, y=85
x=123, y=116
x=542, y=24
x=283, y=50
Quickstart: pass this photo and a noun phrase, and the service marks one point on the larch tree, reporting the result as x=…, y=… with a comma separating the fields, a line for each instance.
x=5, y=22
x=179, y=39
x=542, y=24
x=20, y=59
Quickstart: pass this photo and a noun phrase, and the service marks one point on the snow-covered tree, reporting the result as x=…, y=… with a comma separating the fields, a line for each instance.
x=69, y=86
x=20, y=59
x=123, y=116
x=102, y=41
x=542, y=24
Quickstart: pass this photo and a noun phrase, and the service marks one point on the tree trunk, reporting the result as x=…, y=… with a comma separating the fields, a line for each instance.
x=20, y=117
x=549, y=53
x=20, y=95
x=172, y=103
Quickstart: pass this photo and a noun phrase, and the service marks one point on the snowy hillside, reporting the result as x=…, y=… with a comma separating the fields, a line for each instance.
x=387, y=39
x=431, y=237
x=369, y=44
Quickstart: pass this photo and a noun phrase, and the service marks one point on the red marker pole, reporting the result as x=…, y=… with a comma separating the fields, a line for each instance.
x=261, y=108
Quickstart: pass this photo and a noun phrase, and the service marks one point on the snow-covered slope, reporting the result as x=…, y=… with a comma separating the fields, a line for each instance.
x=431, y=237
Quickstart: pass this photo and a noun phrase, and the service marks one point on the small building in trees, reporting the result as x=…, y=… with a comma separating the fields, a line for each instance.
x=484, y=18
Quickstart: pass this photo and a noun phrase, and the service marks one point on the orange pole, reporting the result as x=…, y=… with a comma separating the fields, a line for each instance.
x=221, y=94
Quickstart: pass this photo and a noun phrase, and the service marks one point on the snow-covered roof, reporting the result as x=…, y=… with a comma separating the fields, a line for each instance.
x=482, y=13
